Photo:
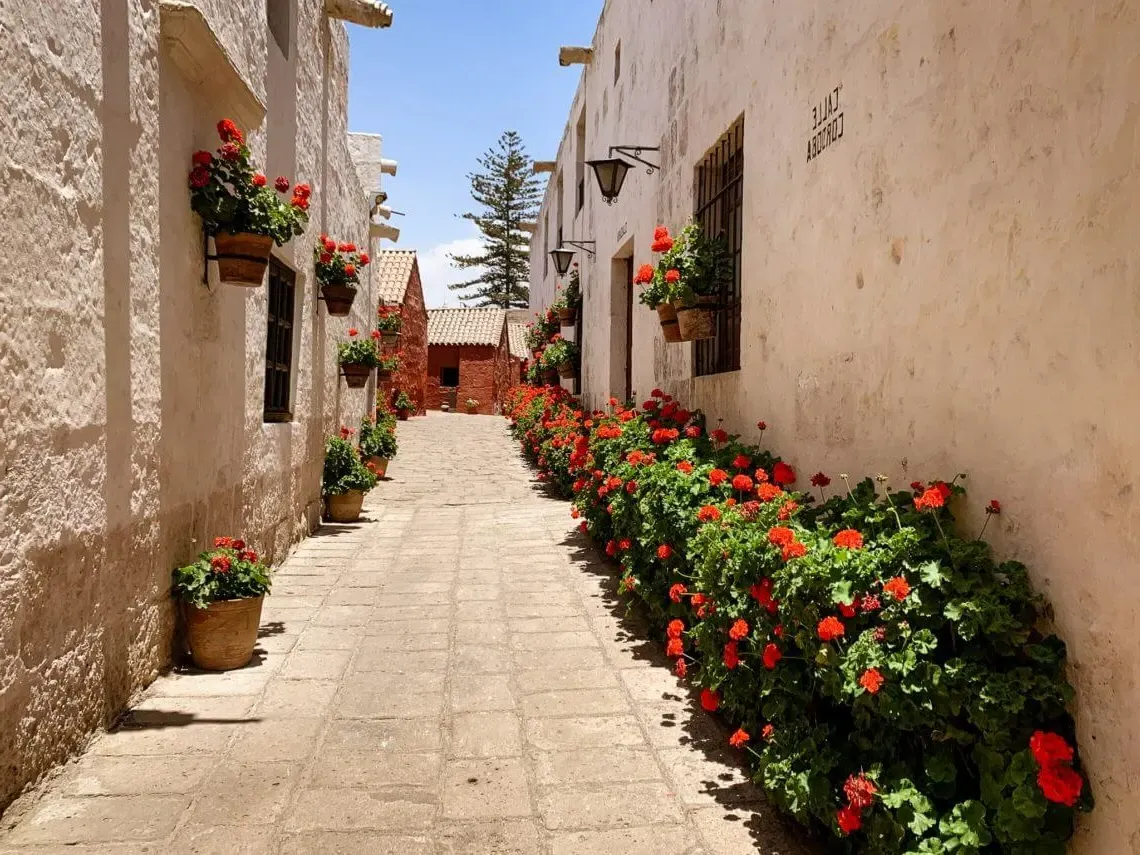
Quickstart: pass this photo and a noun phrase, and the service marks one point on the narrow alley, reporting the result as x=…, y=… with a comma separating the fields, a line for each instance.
x=452, y=675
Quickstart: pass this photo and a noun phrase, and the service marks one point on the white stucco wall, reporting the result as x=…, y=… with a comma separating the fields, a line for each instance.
x=951, y=287
x=131, y=394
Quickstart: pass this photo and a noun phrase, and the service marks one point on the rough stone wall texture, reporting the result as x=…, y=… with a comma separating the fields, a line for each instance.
x=131, y=393
x=478, y=372
x=413, y=374
x=951, y=287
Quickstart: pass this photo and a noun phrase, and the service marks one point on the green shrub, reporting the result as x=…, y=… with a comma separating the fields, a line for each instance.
x=344, y=471
x=378, y=438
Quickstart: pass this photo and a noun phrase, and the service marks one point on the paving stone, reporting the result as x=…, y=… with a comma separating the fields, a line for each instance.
x=315, y=665
x=168, y=739
x=270, y=739
x=531, y=681
x=575, y=658
x=481, y=693
x=487, y=632
x=240, y=793
x=99, y=819
x=749, y=831
x=707, y=777
x=542, y=641
x=616, y=805
x=385, y=735
x=485, y=789
x=378, y=695
x=296, y=698
x=224, y=840
x=505, y=837
x=97, y=775
x=376, y=771
x=607, y=765
x=650, y=840
x=330, y=638
x=165, y=711
x=551, y=624
x=357, y=843
x=577, y=702
x=350, y=810
x=474, y=659
x=486, y=734
x=560, y=734
x=374, y=658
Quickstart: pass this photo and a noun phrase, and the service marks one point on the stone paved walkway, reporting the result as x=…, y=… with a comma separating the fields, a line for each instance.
x=453, y=675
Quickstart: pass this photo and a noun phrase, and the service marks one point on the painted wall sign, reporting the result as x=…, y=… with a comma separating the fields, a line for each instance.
x=621, y=232
x=826, y=124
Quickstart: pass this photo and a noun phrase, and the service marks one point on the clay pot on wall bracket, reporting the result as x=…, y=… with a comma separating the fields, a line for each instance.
x=242, y=258
x=389, y=338
x=382, y=375
x=567, y=315
x=698, y=322
x=222, y=635
x=355, y=374
x=345, y=507
x=379, y=466
x=568, y=370
x=550, y=378
x=668, y=317
x=338, y=299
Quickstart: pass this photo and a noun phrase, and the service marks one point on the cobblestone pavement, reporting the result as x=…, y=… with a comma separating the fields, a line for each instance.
x=452, y=675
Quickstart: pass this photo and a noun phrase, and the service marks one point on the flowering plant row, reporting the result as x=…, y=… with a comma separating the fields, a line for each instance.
x=338, y=263
x=344, y=471
x=691, y=265
x=230, y=196
x=229, y=571
x=888, y=680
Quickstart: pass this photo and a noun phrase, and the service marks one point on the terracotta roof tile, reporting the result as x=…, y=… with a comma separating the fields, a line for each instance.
x=516, y=332
x=393, y=272
x=466, y=326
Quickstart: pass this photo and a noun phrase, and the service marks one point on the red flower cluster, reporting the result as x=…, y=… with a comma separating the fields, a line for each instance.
x=848, y=539
x=820, y=480
x=872, y=680
x=662, y=242
x=739, y=739
x=731, y=656
x=717, y=477
x=739, y=630
x=783, y=474
x=708, y=514
x=772, y=656
x=643, y=276
x=830, y=628
x=664, y=552
x=860, y=792
x=898, y=587
x=741, y=483
x=677, y=591
x=1058, y=781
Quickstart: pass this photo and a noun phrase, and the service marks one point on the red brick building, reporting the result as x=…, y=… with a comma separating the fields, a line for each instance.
x=397, y=274
x=468, y=357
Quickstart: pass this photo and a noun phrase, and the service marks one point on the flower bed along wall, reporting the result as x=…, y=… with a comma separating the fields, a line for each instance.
x=891, y=683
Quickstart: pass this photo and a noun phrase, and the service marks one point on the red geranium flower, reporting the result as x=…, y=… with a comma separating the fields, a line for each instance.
x=692, y=431
x=325, y=258
x=681, y=669
x=230, y=151
x=870, y=603
x=674, y=648
x=897, y=587
x=202, y=158
x=741, y=461
x=685, y=467
x=717, y=477
x=742, y=483
x=223, y=542
x=793, y=550
x=787, y=510
x=664, y=552
x=830, y=628
x=708, y=514
x=848, y=539
x=772, y=656
x=1060, y=784
x=625, y=544
x=994, y=507
x=239, y=543
x=220, y=563
x=768, y=492
x=611, y=548
x=675, y=628
x=583, y=526
x=929, y=500
x=731, y=657
x=872, y=680
x=820, y=480
x=783, y=474
x=739, y=630
x=643, y=277
x=860, y=791
x=710, y=700
x=767, y=731
x=672, y=276
x=677, y=591
x=364, y=258
x=199, y=177
x=780, y=536
x=739, y=739
x=350, y=270
x=847, y=609
x=353, y=332
x=249, y=555
x=258, y=179
x=229, y=132
x=850, y=819
x=1049, y=749
x=719, y=435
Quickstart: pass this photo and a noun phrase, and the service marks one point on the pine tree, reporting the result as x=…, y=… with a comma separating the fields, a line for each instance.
x=509, y=194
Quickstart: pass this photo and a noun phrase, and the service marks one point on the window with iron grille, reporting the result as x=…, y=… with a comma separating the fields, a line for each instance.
x=279, y=343
x=719, y=195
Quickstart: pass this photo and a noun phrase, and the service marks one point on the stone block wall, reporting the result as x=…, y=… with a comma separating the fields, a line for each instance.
x=478, y=373
x=131, y=392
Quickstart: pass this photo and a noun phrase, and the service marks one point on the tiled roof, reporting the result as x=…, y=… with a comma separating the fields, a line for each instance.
x=516, y=332
x=393, y=272
x=466, y=326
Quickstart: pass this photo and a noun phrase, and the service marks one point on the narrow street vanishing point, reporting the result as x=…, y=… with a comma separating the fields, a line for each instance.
x=454, y=674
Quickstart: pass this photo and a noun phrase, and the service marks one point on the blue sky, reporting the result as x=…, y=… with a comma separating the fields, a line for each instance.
x=441, y=85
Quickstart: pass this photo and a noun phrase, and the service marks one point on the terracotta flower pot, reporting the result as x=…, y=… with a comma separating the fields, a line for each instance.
x=382, y=375
x=242, y=258
x=668, y=317
x=550, y=378
x=698, y=322
x=338, y=299
x=355, y=374
x=389, y=337
x=567, y=316
x=567, y=370
x=402, y=415
x=222, y=635
x=379, y=466
x=345, y=507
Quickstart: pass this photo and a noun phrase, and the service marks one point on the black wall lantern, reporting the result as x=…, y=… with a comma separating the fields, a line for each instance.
x=564, y=257
x=611, y=172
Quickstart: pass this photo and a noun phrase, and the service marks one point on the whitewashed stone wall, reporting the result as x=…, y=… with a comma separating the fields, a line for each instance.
x=951, y=287
x=131, y=393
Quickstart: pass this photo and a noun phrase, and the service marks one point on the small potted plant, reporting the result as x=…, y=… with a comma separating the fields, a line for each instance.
x=472, y=406
x=221, y=594
x=389, y=320
x=404, y=406
x=243, y=215
x=387, y=366
x=378, y=443
x=657, y=288
x=540, y=330
x=346, y=479
x=561, y=355
x=568, y=302
x=358, y=357
x=338, y=267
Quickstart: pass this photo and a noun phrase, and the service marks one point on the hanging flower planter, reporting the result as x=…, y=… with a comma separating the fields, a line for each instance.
x=358, y=358
x=338, y=267
x=698, y=322
x=562, y=356
x=669, y=328
x=242, y=258
x=550, y=377
x=244, y=216
x=389, y=320
x=566, y=304
x=387, y=366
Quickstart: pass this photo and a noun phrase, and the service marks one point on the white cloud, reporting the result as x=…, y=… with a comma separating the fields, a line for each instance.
x=437, y=271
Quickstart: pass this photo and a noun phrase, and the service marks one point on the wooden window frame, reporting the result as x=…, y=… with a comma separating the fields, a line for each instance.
x=719, y=208
x=280, y=323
